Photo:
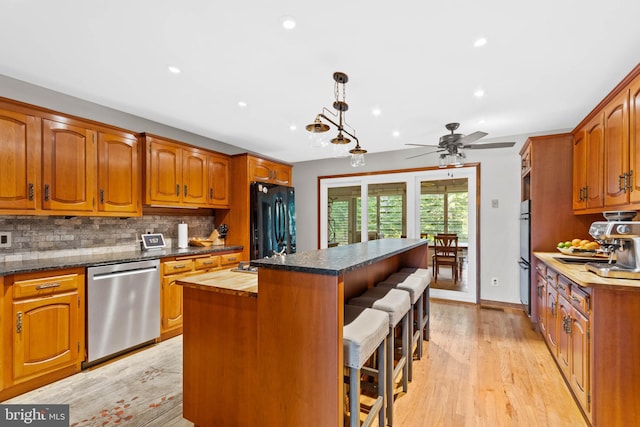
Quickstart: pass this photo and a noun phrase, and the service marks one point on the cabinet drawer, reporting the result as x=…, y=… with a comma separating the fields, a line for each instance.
x=173, y=267
x=208, y=262
x=564, y=286
x=229, y=259
x=552, y=277
x=579, y=299
x=45, y=286
x=541, y=269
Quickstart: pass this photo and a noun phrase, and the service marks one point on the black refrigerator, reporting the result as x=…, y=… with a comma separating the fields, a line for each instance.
x=273, y=220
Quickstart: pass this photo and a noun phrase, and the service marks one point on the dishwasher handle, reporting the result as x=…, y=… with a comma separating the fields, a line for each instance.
x=102, y=276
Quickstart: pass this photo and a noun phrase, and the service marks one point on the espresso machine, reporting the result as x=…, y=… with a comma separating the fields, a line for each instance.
x=620, y=238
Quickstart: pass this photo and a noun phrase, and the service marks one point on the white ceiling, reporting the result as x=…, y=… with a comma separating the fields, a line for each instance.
x=546, y=64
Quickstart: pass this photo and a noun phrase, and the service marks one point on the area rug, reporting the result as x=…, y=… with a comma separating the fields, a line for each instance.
x=141, y=389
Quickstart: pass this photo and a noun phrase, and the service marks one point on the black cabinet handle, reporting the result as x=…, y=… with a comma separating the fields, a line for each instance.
x=177, y=189
x=46, y=192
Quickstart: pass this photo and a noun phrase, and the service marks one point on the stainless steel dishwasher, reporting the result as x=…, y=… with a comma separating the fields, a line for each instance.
x=123, y=307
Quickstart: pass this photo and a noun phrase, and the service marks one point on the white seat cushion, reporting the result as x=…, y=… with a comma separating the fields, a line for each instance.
x=414, y=285
x=421, y=272
x=395, y=302
x=364, y=330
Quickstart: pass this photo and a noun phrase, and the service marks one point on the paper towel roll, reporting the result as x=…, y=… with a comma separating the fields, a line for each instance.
x=183, y=236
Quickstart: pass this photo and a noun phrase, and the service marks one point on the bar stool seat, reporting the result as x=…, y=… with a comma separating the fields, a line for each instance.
x=397, y=304
x=365, y=331
x=427, y=274
x=415, y=286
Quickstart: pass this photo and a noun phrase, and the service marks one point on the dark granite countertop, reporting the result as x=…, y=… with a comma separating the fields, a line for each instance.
x=93, y=260
x=340, y=259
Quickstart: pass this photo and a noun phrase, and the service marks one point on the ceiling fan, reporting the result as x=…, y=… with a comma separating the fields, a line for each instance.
x=450, y=144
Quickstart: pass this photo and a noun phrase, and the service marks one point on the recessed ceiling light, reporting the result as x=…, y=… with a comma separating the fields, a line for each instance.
x=479, y=93
x=288, y=23
x=395, y=134
x=480, y=42
x=242, y=104
x=174, y=69
x=292, y=127
x=376, y=112
x=481, y=121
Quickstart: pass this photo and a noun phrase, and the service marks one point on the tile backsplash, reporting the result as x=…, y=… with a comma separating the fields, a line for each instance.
x=35, y=237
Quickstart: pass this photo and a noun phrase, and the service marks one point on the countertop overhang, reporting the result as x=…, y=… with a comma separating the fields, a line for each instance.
x=579, y=274
x=55, y=263
x=340, y=259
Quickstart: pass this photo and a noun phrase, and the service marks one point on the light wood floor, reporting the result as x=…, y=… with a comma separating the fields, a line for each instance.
x=485, y=367
x=482, y=367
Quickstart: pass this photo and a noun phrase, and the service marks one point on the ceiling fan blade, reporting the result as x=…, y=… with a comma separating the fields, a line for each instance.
x=421, y=145
x=424, y=154
x=490, y=145
x=472, y=137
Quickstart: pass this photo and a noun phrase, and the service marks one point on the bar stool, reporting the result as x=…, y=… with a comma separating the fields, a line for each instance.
x=364, y=331
x=396, y=304
x=426, y=273
x=415, y=286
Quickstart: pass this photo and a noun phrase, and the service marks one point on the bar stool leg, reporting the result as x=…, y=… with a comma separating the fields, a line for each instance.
x=381, y=380
x=354, y=397
x=419, y=326
x=389, y=377
x=406, y=352
x=410, y=352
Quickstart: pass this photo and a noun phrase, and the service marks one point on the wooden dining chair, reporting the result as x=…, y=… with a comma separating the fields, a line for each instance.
x=446, y=253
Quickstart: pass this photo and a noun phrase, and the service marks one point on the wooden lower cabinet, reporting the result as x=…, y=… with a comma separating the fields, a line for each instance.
x=43, y=328
x=171, y=294
x=567, y=333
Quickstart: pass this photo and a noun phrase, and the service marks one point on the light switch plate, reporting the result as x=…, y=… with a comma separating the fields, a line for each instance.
x=5, y=239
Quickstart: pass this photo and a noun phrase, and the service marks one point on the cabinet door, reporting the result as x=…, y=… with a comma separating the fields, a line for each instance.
x=46, y=334
x=616, y=150
x=281, y=174
x=118, y=174
x=564, y=334
x=634, y=139
x=164, y=172
x=579, y=170
x=594, y=165
x=194, y=177
x=551, y=312
x=579, y=375
x=68, y=167
x=171, y=303
x=218, y=181
x=541, y=294
x=259, y=170
x=20, y=160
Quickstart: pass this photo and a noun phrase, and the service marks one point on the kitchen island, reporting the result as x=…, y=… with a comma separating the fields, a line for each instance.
x=273, y=356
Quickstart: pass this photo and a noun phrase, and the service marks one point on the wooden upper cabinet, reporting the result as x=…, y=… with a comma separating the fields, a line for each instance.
x=616, y=150
x=268, y=171
x=118, y=174
x=163, y=171
x=68, y=167
x=579, y=170
x=588, y=165
x=634, y=139
x=20, y=159
x=179, y=175
x=218, y=167
x=194, y=177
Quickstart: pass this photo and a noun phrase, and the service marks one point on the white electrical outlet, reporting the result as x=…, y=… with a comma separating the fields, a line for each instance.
x=494, y=281
x=5, y=239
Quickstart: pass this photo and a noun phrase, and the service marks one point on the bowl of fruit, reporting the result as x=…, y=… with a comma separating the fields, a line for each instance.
x=579, y=247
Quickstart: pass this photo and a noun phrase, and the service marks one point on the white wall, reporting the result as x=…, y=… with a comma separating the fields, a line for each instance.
x=500, y=180
x=499, y=227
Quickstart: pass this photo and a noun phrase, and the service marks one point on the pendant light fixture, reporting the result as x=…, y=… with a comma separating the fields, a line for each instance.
x=319, y=126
